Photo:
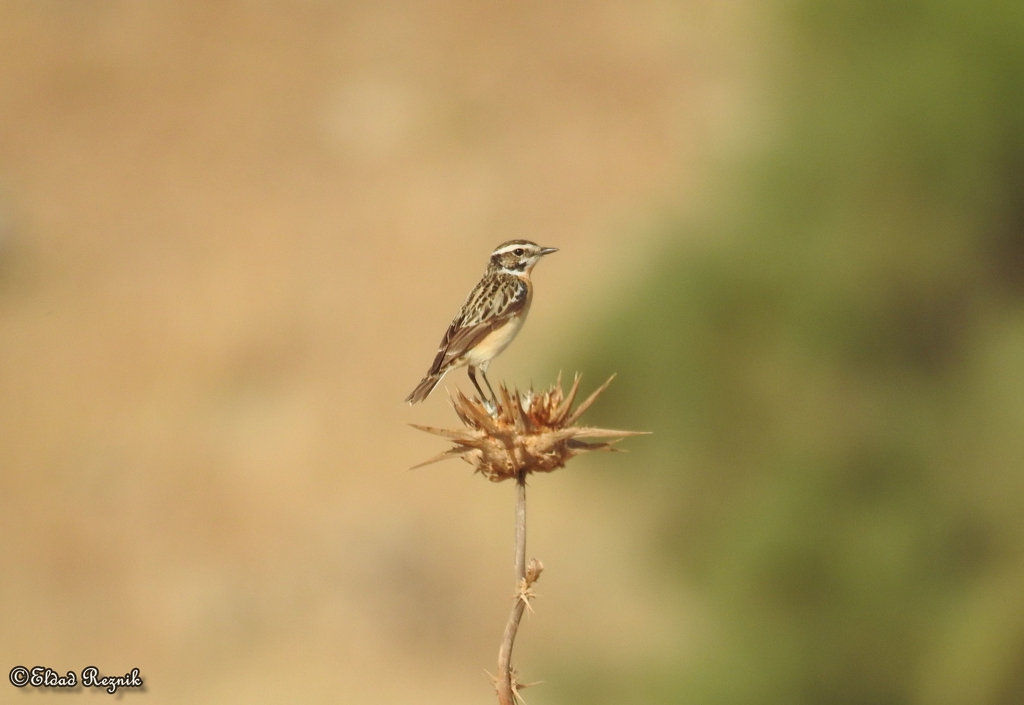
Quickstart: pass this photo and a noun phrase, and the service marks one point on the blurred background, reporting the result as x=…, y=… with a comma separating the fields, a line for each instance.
x=232, y=234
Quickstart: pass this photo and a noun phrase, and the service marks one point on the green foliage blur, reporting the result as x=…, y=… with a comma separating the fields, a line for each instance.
x=835, y=379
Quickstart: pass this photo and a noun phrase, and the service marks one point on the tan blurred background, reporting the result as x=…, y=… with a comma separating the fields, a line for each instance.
x=231, y=235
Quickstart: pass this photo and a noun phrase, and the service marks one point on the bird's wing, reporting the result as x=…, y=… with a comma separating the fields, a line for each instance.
x=491, y=304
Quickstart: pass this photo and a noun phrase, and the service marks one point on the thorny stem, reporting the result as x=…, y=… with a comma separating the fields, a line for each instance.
x=520, y=526
x=506, y=691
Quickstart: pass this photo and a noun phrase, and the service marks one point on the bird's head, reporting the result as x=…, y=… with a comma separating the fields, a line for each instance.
x=518, y=256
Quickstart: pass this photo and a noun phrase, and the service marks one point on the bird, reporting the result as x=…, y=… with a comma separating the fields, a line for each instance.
x=489, y=319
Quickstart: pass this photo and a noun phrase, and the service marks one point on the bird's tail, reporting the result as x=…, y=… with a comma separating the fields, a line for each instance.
x=424, y=388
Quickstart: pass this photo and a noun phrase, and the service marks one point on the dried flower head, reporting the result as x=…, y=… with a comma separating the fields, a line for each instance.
x=527, y=432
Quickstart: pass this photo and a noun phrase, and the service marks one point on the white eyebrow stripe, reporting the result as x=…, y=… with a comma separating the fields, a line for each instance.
x=511, y=248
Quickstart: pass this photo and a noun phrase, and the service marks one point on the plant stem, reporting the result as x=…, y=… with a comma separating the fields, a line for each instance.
x=506, y=691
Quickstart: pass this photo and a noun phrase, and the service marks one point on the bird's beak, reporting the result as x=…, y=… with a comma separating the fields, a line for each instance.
x=548, y=250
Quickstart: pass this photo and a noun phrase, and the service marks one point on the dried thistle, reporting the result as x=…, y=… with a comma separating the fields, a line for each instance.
x=527, y=432
x=519, y=434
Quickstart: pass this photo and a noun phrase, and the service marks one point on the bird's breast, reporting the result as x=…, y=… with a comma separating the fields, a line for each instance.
x=495, y=342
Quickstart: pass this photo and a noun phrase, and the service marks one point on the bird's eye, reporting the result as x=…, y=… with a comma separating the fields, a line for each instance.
x=518, y=252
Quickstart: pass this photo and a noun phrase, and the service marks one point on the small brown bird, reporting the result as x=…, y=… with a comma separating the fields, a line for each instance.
x=489, y=319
